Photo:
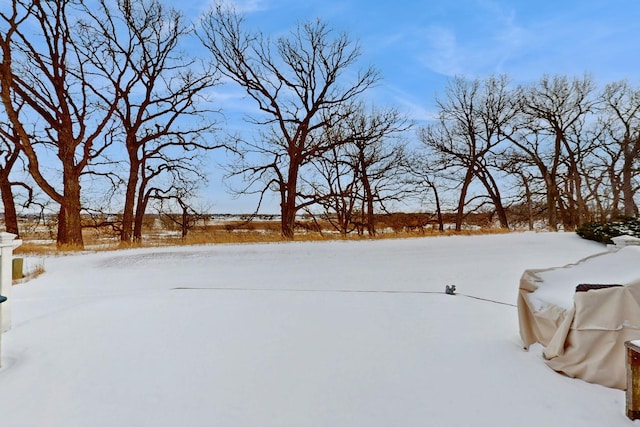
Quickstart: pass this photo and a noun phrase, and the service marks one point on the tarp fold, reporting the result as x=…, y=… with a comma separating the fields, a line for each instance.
x=585, y=340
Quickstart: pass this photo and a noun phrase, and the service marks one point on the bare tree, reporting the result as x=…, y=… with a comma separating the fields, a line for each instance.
x=178, y=209
x=554, y=111
x=423, y=176
x=336, y=188
x=10, y=152
x=467, y=135
x=621, y=113
x=528, y=183
x=299, y=85
x=161, y=109
x=46, y=80
x=369, y=156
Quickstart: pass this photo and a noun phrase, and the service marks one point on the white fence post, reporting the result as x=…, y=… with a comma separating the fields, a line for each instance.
x=2, y=299
x=7, y=245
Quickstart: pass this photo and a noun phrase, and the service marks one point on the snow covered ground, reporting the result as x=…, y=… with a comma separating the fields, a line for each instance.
x=301, y=334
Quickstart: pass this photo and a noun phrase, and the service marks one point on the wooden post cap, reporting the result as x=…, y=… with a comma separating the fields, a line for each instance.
x=633, y=379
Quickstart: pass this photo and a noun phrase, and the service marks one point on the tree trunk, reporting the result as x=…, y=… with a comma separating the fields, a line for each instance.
x=137, y=227
x=629, y=205
x=141, y=207
x=185, y=221
x=70, y=217
x=368, y=194
x=529, y=202
x=494, y=194
x=70, y=228
x=369, y=214
x=130, y=200
x=288, y=206
x=463, y=197
x=287, y=222
x=438, y=208
x=552, y=212
x=10, y=215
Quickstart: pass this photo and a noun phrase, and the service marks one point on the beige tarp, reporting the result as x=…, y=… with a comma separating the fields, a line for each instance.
x=586, y=340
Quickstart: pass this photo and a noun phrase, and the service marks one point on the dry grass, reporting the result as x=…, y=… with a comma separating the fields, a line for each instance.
x=35, y=248
x=228, y=233
x=34, y=271
x=258, y=232
x=209, y=237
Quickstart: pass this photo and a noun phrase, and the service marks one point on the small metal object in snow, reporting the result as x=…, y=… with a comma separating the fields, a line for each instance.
x=450, y=290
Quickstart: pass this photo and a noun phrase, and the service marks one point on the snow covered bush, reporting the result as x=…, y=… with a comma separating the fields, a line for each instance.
x=605, y=231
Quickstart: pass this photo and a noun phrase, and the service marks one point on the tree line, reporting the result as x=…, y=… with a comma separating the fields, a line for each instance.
x=103, y=97
x=558, y=146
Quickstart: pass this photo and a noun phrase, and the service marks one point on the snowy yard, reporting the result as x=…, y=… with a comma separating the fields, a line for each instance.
x=301, y=334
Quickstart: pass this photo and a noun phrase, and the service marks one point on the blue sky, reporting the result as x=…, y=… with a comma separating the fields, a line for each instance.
x=418, y=45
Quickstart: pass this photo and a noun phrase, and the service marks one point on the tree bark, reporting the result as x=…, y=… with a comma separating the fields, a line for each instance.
x=10, y=214
x=70, y=216
x=130, y=200
x=369, y=214
x=628, y=202
x=288, y=208
x=463, y=198
x=141, y=207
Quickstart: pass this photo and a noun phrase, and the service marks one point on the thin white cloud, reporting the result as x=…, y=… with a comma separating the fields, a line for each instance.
x=509, y=38
x=415, y=109
x=243, y=6
x=481, y=46
x=526, y=43
x=248, y=6
x=442, y=53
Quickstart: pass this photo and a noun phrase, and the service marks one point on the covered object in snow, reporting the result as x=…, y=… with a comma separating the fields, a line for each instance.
x=584, y=332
